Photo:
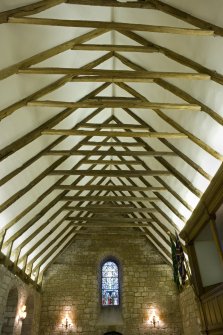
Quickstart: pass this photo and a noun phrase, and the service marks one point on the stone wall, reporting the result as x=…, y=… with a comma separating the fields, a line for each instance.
x=9, y=282
x=190, y=312
x=71, y=289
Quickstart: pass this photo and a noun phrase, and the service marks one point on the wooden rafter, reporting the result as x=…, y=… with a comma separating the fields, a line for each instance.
x=37, y=266
x=174, y=90
x=154, y=205
x=175, y=172
x=34, y=234
x=44, y=55
x=16, y=251
x=153, y=225
x=148, y=232
x=166, y=202
x=177, y=126
x=42, y=196
x=32, y=9
x=42, y=212
x=59, y=83
x=108, y=192
x=158, y=5
x=34, y=134
x=66, y=217
x=111, y=25
x=215, y=76
x=169, y=145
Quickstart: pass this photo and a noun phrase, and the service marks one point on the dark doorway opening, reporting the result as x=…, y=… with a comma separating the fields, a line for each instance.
x=112, y=333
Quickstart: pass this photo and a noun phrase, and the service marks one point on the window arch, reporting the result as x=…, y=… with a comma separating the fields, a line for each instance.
x=110, y=292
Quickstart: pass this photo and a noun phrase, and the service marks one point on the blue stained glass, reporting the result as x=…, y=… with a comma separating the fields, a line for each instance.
x=110, y=284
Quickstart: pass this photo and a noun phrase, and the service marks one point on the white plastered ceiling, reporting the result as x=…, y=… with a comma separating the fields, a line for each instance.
x=33, y=226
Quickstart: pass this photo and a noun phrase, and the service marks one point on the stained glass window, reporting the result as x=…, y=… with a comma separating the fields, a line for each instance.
x=110, y=284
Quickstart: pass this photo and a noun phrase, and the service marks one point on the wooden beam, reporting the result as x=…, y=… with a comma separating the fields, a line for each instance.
x=110, y=173
x=108, y=153
x=160, y=180
x=51, y=252
x=185, y=158
x=29, y=162
x=150, y=233
x=108, y=198
x=44, y=238
x=113, y=47
x=110, y=226
x=113, y=3
x=113, y=144
x=152, y=225
x=39, y=277
x=34, y=219
x=179, y=128
x=108, y=219
x=164, y=200
x=156, y=5
x=187, y=97
x=37, y=231
x=111, y=26
x=112, y=222
x=108, y=79
x=113, y=104
x=29, y=251
x=110, y=162
x=52, y=87
x=32, y=9
x=109, y=232
x=34, y=203
x=217, y=77
x=13, y=69
x=175, y=90
x=37, y=132
x=111, y=209
x=121, y=75
x=30, y=223
x=42, y=197
x=122, y=126
x=77, y=132
x=16, y=271
x=186, y=17
x=28, y=187
x=109, y=188
x=175, y=173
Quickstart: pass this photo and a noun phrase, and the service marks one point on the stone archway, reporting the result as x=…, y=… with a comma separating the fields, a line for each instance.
x=28, y=321
x=10, y=312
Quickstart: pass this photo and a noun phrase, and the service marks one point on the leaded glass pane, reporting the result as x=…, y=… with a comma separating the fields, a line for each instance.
x=110, y=284
x=109, y=269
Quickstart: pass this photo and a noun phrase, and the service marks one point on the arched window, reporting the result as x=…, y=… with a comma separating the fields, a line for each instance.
x=110, y=284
